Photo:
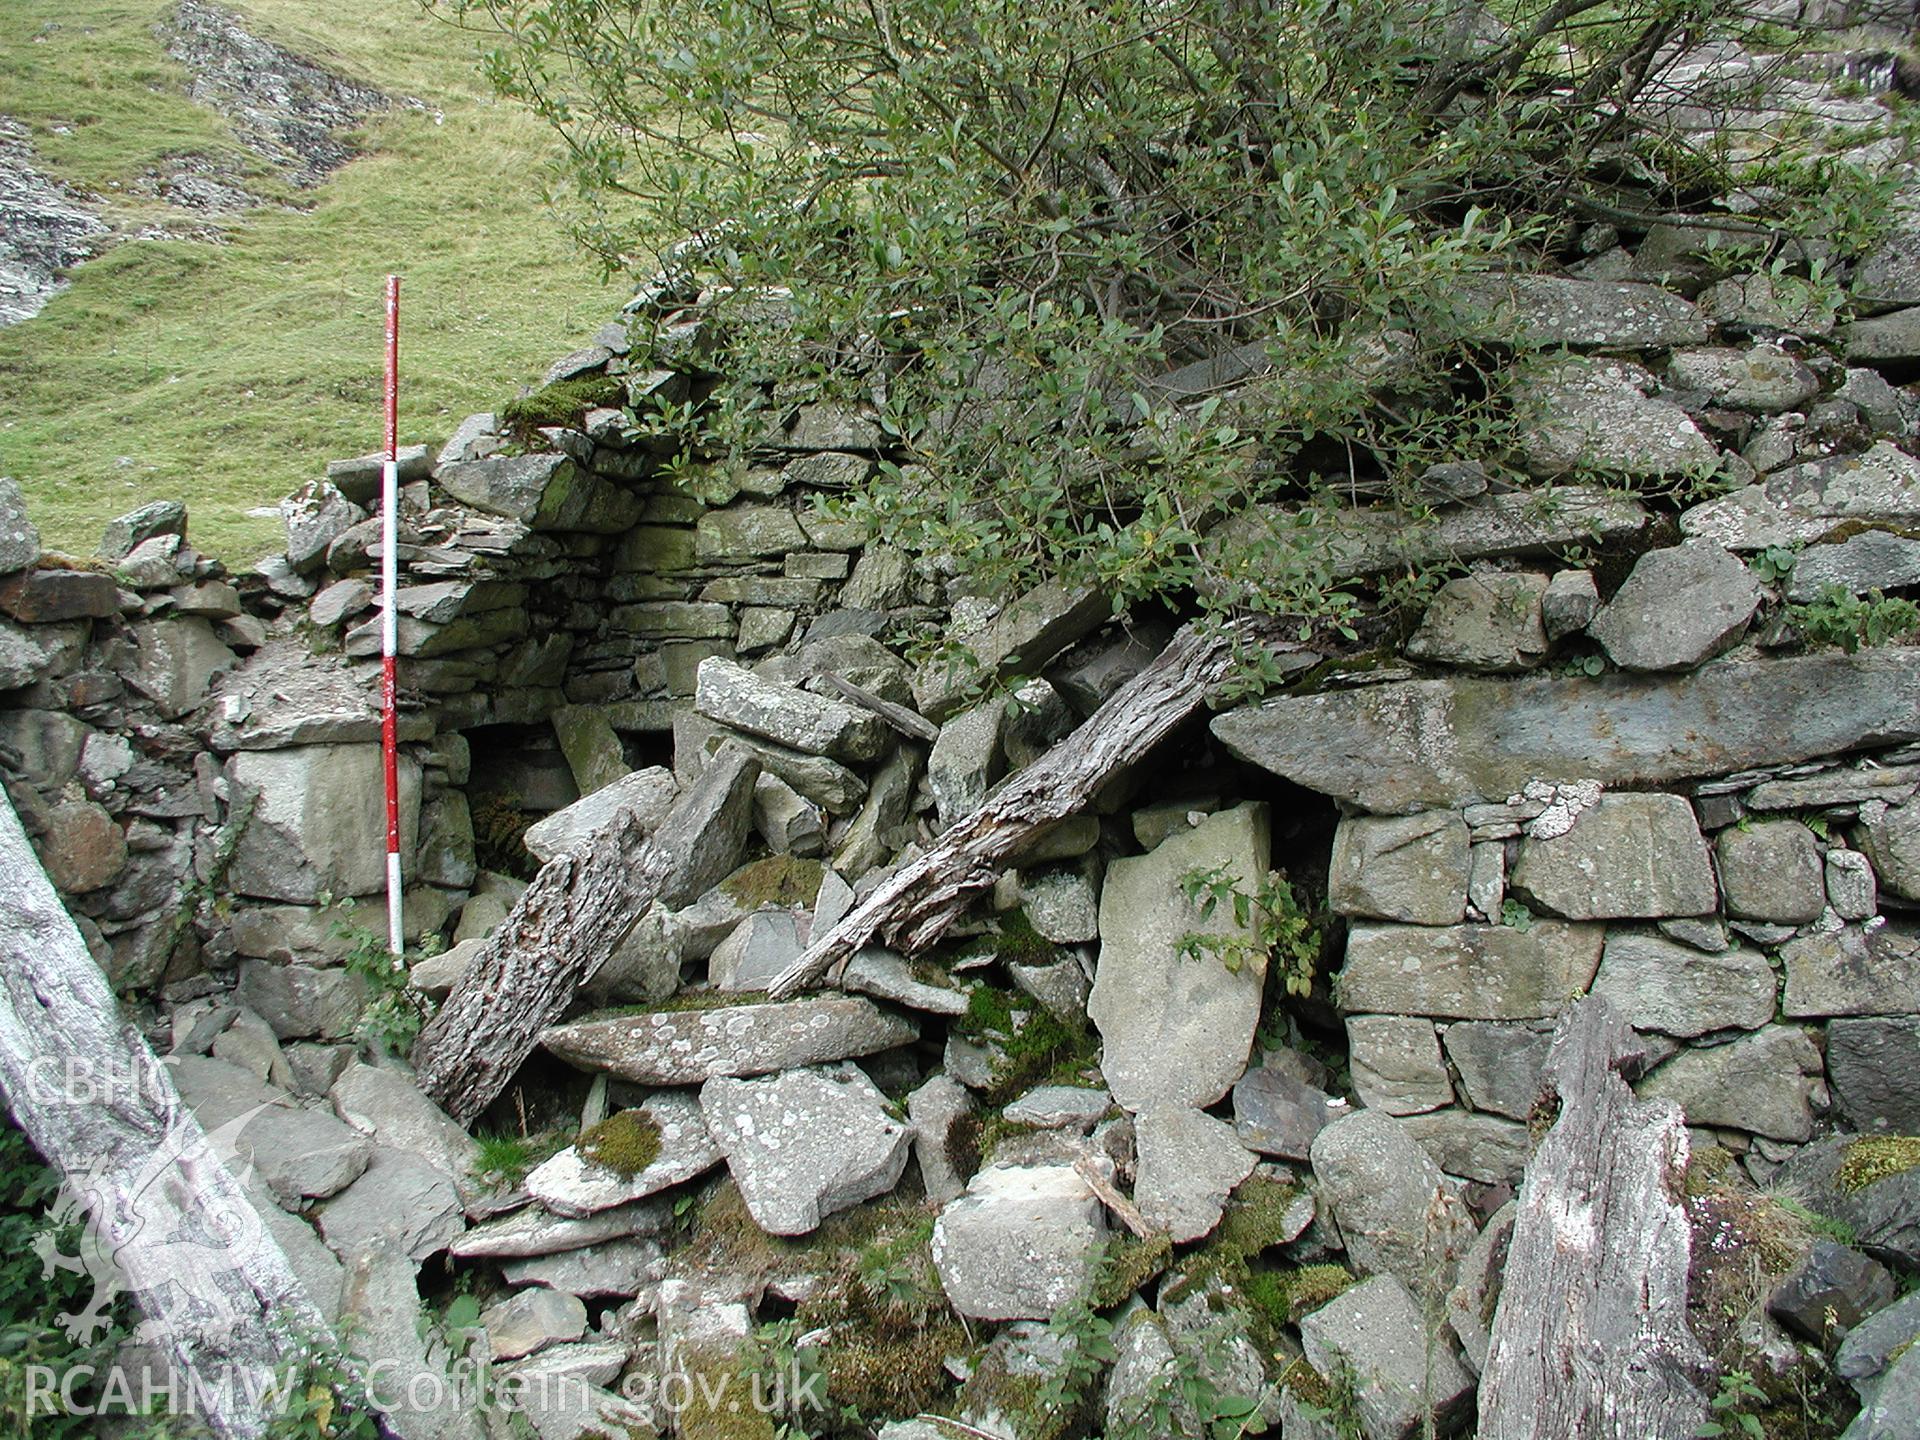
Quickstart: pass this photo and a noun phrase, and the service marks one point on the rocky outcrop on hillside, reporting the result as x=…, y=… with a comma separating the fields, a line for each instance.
x=293, y=114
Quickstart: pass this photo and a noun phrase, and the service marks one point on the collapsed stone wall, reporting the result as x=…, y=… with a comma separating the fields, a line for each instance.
x=1603, y=762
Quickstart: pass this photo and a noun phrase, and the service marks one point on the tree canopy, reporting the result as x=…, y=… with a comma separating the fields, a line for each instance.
x=1004, y=223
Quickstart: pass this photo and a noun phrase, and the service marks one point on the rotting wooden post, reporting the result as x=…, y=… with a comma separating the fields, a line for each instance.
x=567, y=924
x=913, y=907
x=168, y=1223
x=1590, y=1338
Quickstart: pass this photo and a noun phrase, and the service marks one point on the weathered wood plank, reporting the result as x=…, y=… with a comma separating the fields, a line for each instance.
x=190, y=1248
x=570, y=921
x=913, y=908
x=1590, y=1338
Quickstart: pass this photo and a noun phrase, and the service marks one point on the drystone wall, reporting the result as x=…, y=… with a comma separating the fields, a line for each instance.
x=1612, y=758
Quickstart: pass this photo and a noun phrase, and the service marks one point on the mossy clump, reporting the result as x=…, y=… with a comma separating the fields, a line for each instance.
x=625, y=1143
x=719, y=1401
x=777, y=880
x=1254, y=1221
x=1035, y=1046
x=1018, y=943
x=1284, y=1296
x=565, y=402
x=1127, y=1266
x=1876, y=1158
x=889, y=1331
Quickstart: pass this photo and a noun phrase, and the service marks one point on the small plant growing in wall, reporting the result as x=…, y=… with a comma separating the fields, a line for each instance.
x=1850, y=621
x=1271, y=920
x=395, y=1011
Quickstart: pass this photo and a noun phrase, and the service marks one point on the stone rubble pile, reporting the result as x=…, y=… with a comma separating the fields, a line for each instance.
x=1610, y=759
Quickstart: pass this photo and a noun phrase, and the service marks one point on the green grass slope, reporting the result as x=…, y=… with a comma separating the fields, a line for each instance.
x=226, y=374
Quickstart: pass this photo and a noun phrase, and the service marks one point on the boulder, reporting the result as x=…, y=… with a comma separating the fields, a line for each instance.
x=1890, y=838
x=1543, y=311
x=646, y=795
x=1412, y=868
x=1873, y=1344
x=1763, y=378
x=1569, y=603
x=1471, y=1303
x=1771, y=870
x=1829, y=1291
x=19, y=539
x=1469, y=972
x=317, y=821
x=1475, y=1147
x=401, y=1203
x=1582, y=417
x=1391, y=1202
x=45, y=597
x=1276, y=1112
x=1871, y=1061
x=596, y=1272
x=1868, y=1183
x=303, y=1001
x=1889, y=1414
x=1857, y=970
x=1655, y=984
x=1626, y=857
x=1677, y=608
x=795, y=718
x=1189, y=1164
x=1059, y=1107
x=1376, y=1334
x=297, y=1154
x=748, y=532
x=1415, y=745
x=807, y=1143
x=82, y=848
x=1396, y=1064
x=384, y=1104
x=1803, y=502
x=316, y=515
x=1177, y=1030
x=885, y=976
x=1018, y=1244
x=532, y=1320
x=1867, y=560
x=380, y=1307
x=542, y=492
x=939, y=1111
x=579, y=1182
x=176, y=663
x=537, y=1231
x=786, y=820
x=966, y=760
x=1062, y=906
x=1761, y=1083
x=759, y=949
x=1492, y=622
x=1023, y=637
x=593, y=750
x=688, y=1047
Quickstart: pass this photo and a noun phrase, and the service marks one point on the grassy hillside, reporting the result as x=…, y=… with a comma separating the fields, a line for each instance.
x=225, y=375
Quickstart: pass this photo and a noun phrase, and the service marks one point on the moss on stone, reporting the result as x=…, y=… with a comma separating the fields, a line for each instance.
x=889, y=1331
x=1127, y=1266
x=719, y=1401
x=777, y=880
x=625, y=1143
x=1876, y=1158
x=565, y=402
x=1035, y=1046
x=1283, y=1296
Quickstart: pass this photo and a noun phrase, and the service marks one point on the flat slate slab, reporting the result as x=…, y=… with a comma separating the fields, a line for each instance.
x=1424, y=744
x=688, y=1047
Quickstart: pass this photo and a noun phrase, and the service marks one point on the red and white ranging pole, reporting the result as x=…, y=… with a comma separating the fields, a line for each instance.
x=389, y=692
